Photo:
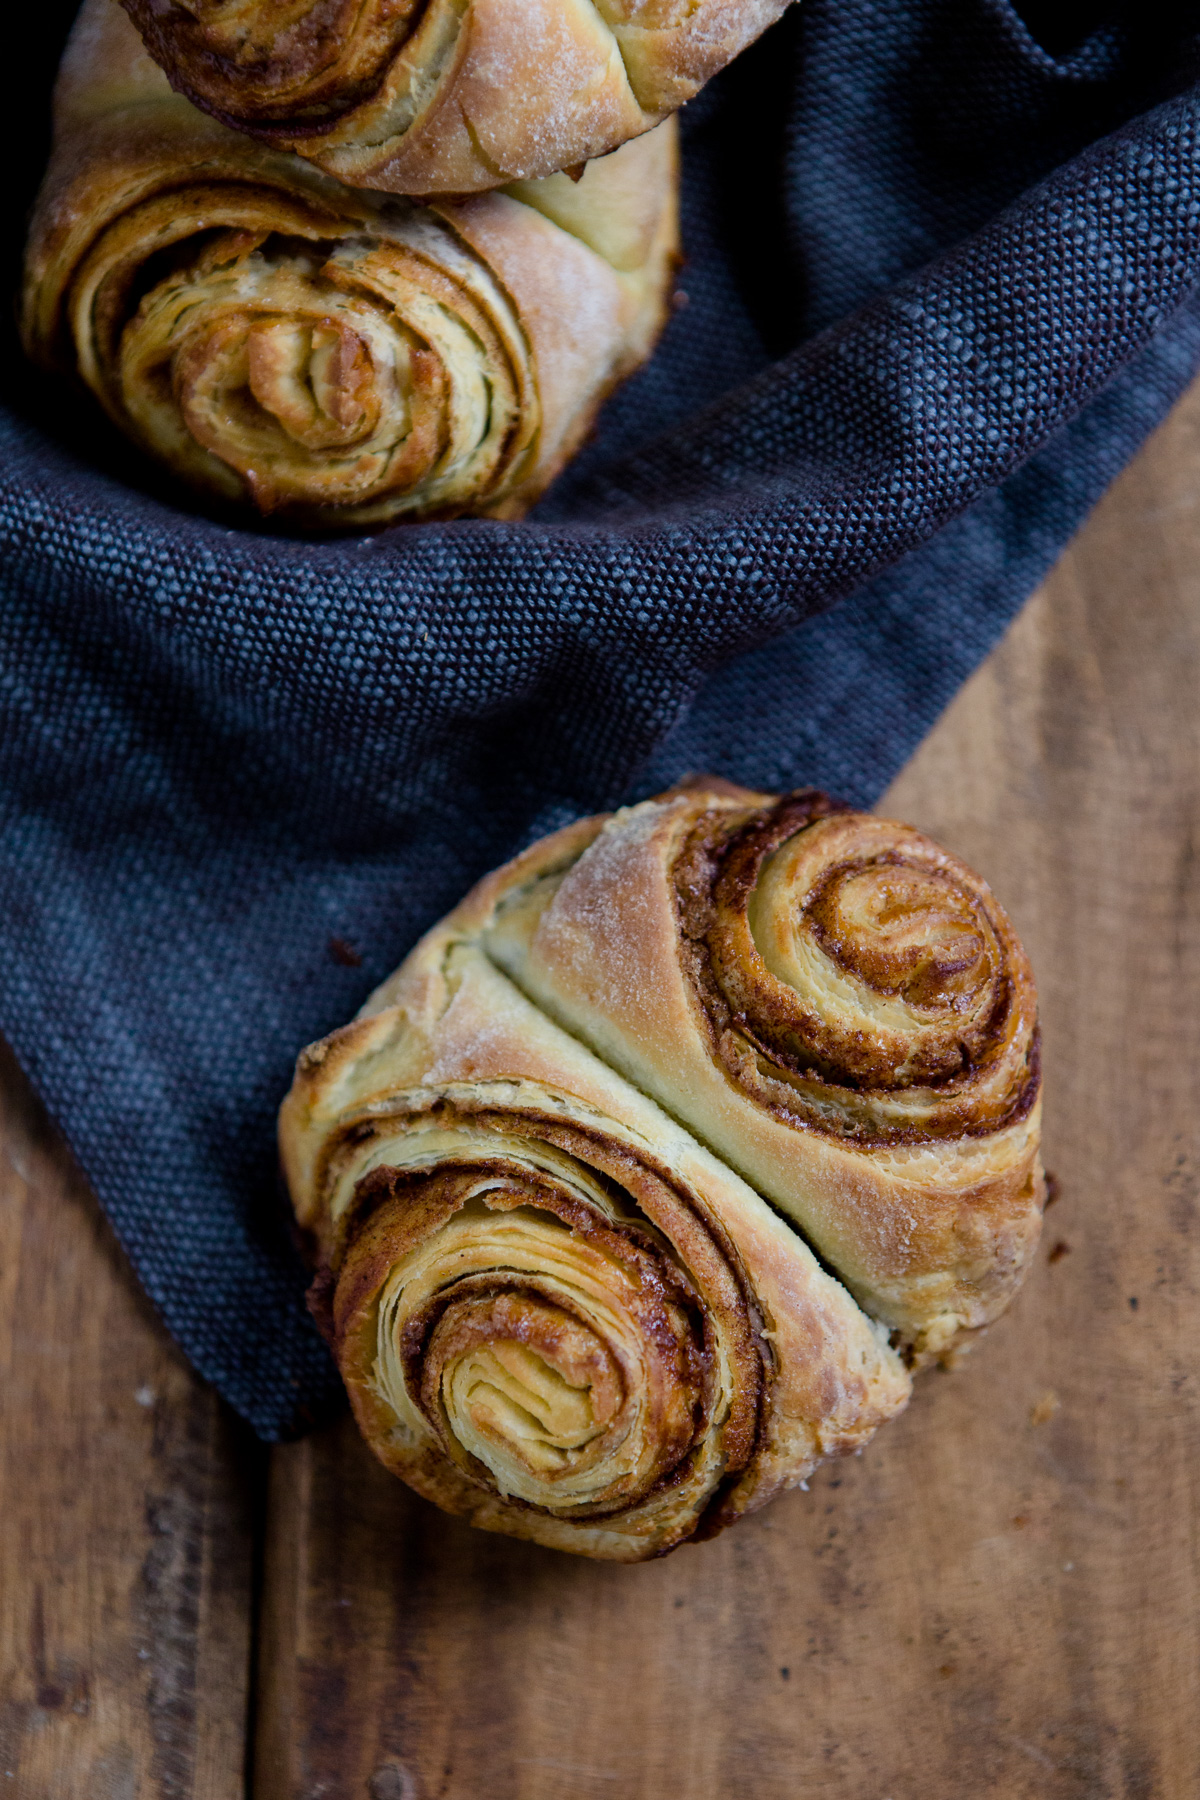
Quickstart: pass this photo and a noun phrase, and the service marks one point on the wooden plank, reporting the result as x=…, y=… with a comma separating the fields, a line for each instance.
x=126, y=1498
x=1000, y=1597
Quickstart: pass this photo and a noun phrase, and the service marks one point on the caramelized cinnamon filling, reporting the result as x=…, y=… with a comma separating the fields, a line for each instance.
x=352, y=378
x=855, y=976
x=546, y=1332
x=296, y=66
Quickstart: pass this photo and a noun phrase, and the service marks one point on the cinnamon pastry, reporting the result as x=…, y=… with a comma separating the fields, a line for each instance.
x=556, y=1313
x=561, y=1313
x=450, y=96
x=838, y=1008
x=337, y=357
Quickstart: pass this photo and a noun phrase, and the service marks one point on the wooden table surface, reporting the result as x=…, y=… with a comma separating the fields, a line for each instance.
x=999, y=1598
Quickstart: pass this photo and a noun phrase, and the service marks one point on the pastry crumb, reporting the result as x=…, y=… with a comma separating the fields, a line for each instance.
x=1045, y=1408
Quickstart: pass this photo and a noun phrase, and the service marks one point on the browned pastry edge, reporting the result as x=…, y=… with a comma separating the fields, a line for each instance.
x=236, y=89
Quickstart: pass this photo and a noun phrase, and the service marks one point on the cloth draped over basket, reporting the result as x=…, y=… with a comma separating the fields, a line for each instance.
x=942, y=262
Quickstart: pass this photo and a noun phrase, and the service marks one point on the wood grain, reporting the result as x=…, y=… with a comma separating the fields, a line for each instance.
x=126, y=1498
x=1001, y=1597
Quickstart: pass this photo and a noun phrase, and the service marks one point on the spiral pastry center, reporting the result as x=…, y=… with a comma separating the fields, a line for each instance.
x=546, y=1392
x=856, y=956
x=555, y=1357
x=266, y=357
x=317, y=378
x=255, y=389
x=903, y=933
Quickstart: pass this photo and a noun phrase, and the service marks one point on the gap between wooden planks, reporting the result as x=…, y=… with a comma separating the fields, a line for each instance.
x=127, y=1493
x=999, y=1598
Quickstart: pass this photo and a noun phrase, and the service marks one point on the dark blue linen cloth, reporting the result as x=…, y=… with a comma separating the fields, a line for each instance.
x=942, y=260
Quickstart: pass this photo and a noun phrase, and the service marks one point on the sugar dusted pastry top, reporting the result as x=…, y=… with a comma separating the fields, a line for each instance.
x=451, y=96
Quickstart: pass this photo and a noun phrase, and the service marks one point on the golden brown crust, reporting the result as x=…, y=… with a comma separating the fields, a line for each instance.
x=837, y=1007
x=445, y=96
x=346, y=360
x=475, y=1179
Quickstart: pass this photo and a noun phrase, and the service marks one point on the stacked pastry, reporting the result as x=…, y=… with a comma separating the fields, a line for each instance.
x=653, y=1173
x=353, y=263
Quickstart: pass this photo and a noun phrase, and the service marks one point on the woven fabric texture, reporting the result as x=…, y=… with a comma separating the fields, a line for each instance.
x=942, y=261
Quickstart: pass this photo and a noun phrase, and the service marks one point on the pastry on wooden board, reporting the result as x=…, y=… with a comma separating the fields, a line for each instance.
x=333, y=357
x=445, y=96
x=606, y=1262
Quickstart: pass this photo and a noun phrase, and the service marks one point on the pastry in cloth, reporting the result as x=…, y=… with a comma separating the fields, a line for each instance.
x=338, y=358
x=563, y=1238
x=445, y=96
